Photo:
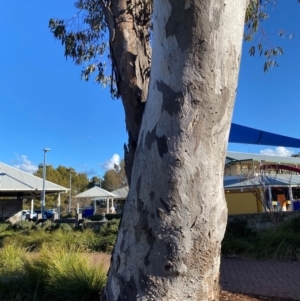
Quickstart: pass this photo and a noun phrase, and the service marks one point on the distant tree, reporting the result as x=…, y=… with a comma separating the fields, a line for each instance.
x=115, y=178
x=95, y=181
x=61, y=176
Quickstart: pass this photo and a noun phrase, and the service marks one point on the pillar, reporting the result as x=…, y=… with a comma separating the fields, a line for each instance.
x=58, y=206
x=270, y=206
x=31, y=212
x=291, y=197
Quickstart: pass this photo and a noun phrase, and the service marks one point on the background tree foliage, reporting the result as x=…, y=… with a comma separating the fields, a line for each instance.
x=95, y=36
x=61, y=176
x=85, y=37
x=115, y=178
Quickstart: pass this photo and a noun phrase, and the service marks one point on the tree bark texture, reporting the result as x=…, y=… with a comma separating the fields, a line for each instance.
x=168, y=246
x=128, y=22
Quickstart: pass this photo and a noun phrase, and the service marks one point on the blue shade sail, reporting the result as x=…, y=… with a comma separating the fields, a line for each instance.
x=243, y=134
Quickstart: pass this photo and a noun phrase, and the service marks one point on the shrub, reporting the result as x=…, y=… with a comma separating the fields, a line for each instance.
x=65, y=227
x=24, y=225
x=48, y=225
x=4, y=227
x=278, y=245
x=96, y=218
x=234, y=246
x=113, y=216
x=31, y=240
x=238, y=228
x=111, y=227
x=292, y=225
x=12, y=258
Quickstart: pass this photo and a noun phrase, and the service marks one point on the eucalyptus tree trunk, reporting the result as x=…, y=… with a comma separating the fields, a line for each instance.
x=168, y=246
x=128, y=22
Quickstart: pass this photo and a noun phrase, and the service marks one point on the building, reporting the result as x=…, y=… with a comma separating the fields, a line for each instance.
x=255, y=183
x=251, y=179
x=16, y=185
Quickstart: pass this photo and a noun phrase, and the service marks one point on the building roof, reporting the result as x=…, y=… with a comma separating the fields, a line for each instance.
x=239, y=182
x=121, y=193
x=14, y=181
x=95, y=192
x=236, y=156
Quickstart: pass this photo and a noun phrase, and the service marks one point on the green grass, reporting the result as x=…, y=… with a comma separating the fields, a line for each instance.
x=12, y=258
x=56, y=273
x=34, y=237
x=53, y=262
x=65, y=274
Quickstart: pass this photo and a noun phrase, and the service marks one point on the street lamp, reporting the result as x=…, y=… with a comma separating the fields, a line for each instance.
x=45, y=150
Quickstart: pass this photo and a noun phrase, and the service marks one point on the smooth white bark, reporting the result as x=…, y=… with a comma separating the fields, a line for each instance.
x=168, y=247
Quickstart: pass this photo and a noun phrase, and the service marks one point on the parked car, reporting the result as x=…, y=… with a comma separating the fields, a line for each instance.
x=47, y=213
x=26, y=212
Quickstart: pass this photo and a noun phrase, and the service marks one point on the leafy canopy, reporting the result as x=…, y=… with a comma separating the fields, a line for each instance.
x=85, y=38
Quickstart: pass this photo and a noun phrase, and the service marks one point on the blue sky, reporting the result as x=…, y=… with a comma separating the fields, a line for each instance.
x=43, y=102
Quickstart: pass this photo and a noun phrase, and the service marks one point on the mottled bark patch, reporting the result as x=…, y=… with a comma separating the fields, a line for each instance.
x=160, y=213
x=151, y=195
x=165, y=204
x=171, y=257
x=143, y=281
x=138, y=186
x=162, y=143
x=129, y=290
x=118, y=262
x=146, y=259
x=139, y=148
x=172, y=101
x=181, y=14
x=124, y=232
x=142, y=225
x=150, y=138
x=151, y=240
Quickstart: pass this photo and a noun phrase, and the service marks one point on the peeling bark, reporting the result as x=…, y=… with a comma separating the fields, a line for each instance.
x=168, y=246
x=131, y=59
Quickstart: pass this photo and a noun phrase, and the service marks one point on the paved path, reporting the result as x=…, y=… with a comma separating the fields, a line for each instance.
x=265, y=278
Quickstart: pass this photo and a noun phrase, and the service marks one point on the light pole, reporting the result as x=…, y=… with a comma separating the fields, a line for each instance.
x=45, y=150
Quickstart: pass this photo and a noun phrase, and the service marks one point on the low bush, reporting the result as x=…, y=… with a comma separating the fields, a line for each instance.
x=64, y=274
x=56, y=273
x=24, y=225
x=282, y=243
x=4, y=227
x=12, y=257
x=233, y=246
x=110, y=216
x=238, y=228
